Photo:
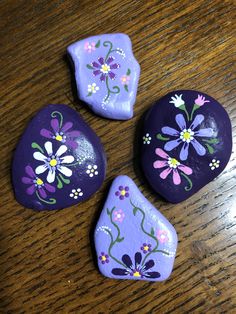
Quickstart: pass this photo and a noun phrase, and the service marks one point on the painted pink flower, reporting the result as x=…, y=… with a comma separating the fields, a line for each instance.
x=200, y=100
x=125, y=79
x=172, y=165
x=162, y=236
x=119, y=215
x=89, y=47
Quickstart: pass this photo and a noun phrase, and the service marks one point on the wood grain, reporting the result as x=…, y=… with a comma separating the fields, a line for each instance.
x=46, y=261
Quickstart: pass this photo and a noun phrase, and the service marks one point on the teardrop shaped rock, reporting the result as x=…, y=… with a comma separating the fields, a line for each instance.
x=107, y=74
x=59, y=160
x=186, y=143
x=133, y=240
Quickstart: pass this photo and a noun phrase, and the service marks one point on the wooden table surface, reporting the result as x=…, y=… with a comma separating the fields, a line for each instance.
x=46, y=261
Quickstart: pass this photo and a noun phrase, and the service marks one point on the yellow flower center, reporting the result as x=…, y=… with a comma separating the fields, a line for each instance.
x=136, y=274
x=186, y=135
x=122, y=192
x=53, y=162
x=59, y=138
x=146, y=248
x=105, y=68
x=124, y=79
x=104, y=258
x=174, y=162
x=39, y=181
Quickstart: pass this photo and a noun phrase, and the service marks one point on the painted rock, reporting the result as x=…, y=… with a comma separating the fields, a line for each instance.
x=132, y=239
x=106, y=74
x=58, y=162
x=186, y=143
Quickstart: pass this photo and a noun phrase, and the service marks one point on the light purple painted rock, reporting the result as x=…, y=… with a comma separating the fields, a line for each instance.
x=59, y=161
x=107, y=74
x=186, y=143
x=133, y=240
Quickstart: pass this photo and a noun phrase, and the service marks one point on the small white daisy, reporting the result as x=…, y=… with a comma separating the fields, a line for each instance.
x=147, y=139
x=214, y=164
x=75, y=193
x=92, y=170
x=93, y=88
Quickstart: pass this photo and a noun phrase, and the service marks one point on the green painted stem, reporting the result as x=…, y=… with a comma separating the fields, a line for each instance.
x=189, y=181
x=51, y=200
x=195, y=107
x=147, y=233
x=116, y=89
x=74, y=164
x=162, y=251
x=54, y=115
x=106, y=44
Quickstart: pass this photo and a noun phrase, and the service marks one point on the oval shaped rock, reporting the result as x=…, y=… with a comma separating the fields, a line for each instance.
x=59, y=160
x=133, y=240
x=106, y=74
x=186, y=143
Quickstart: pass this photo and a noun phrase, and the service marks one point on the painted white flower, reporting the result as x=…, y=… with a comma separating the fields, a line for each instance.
x=147, y=139
x=53, y=162
x=93, y=88
x=187, y=135
x=177, y=100
x=92, y=170
x=214, y=164
x=75, y=193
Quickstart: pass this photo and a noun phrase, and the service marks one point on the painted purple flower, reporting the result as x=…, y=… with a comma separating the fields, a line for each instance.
x=136, y=270
x=104, y=258
x=36, y=184
x=146, y=248
x=105, y=67
x=187, y=135
x=62, y=134
x=122, y=192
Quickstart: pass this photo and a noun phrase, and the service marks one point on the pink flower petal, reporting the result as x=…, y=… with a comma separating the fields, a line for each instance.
x=165, y=173
x=159, y=164
x=160, y=152
x=185, y=169
x=176, y=177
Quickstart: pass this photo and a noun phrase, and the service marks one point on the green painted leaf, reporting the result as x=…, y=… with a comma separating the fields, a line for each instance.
x=90, y=94
x=98, y=44
x=135, y=211
x=212, y=141
x=128, y=72
x=152, y=231
x=89, y=66
x=120, y=239
x=210, y=149
x=59, y=183
x=108, y=212
x=126, y=88
x=36, y=146
x=66, y=181
x=162, y=138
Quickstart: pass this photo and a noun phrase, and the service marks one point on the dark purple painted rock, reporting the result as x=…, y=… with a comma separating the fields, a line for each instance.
x=133, y=240
x=186, y=143
x=58, y=162
x=106, y=74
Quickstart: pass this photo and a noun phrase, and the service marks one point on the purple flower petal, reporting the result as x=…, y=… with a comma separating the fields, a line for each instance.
x=102, y=77
x=197, y=120
x=46, y=133
x=55, y=125
x=96, y=72
x=29, y=170
x=95, y=65
x=109, y=60
x=119, y=272
x=42, y=193
x=111, y=75
x=49, y=188
x=101, y=60
x=27, y=180
x=120, y=187
x=66, y=126
x=172, y=144
x=208, y=132
x=184, y=151
x=127, y=260
x=72, y=144
x=31, y=189
x=180, y=121
x=73, y=134
x=149, y=264
x=198, y=147
x=152, y=274
x=137, y=258
x=126, y=188
x=169, y=131
x=114, y=66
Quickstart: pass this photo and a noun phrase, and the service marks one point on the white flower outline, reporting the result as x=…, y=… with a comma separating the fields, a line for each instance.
x=147, y=139
x=93, y=88
x=92, y=170
x=75, y=193
x=177, y=100
x=214, y=164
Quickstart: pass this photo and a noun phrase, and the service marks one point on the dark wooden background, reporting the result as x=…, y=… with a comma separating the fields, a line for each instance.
x=46, y=262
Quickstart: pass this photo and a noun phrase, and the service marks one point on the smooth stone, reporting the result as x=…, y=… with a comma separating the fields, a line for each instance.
x=133, y=239
x=186, y=143
x=106, y=74
x=59, y=160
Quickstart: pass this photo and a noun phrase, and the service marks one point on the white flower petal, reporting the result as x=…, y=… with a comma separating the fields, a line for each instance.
x=51, y=176
x=81, y=194
x=75, y=197
x=48, y=147
x=95, y=167
x=73, y=191
x=66, y=171
x=40, y=169
x=71, y=195
x=67, y=159
x=61, y=150
x=39, y=156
